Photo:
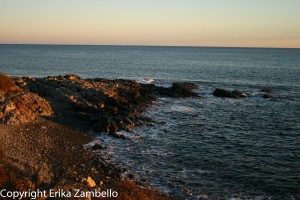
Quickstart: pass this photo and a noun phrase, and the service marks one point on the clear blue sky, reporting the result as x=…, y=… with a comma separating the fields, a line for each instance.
x=265, y=23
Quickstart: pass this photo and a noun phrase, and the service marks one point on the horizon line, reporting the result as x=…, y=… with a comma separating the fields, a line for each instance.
x=133, y=45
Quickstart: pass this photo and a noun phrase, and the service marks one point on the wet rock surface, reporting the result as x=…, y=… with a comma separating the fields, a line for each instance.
x=178, y=90
x=264, y=93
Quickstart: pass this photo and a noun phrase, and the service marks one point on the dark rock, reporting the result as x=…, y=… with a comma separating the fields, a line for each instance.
x=106, y=105
x=266, y=96
x=106, y=123
x=225, y=93
x=238, y=93
x=131, y=176
x=176, y=93
x=267, y=90
x=97, y=146
x=166, y=92
x=117, y=135
x=128, y=122
x=144, y=180
x=184, y=86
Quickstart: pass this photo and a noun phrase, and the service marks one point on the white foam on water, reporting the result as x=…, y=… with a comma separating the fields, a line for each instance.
x=202, y=197
x=164, y=99
x=156, y=152
x=184, y=109
x=92, y=143
x=260, y=198
x=129, y=135
x=146, y=80
x=150, y=80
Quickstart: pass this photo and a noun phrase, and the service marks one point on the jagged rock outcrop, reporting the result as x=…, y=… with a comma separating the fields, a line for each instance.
x=105, y=105
x=17, y=106
x=22, y=107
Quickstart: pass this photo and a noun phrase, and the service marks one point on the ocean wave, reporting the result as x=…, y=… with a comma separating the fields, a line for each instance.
x=146, y=80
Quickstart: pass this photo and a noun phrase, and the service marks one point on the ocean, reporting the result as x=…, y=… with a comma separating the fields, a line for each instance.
x=196, y=148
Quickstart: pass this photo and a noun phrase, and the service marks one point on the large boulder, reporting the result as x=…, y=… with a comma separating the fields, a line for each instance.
x=177, y=90
x=23, y=107
x=226, y=93
x=184, y=86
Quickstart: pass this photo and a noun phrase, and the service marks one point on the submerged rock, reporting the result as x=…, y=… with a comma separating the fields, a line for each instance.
x=267, y=93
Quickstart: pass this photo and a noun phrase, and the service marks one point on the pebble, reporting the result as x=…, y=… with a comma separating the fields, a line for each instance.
x=90, y=182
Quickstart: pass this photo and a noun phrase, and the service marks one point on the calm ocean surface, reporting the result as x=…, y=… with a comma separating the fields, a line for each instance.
x=209, y=148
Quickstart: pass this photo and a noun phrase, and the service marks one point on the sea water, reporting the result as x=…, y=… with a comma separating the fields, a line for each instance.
x=196, y=148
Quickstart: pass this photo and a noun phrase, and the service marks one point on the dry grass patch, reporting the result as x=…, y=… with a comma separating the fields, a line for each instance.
x=7, y=84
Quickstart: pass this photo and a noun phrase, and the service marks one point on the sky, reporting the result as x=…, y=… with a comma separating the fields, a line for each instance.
x=229, y=23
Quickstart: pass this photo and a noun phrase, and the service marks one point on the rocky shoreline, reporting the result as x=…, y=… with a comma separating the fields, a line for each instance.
x=100, y=104
x=44, y=122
